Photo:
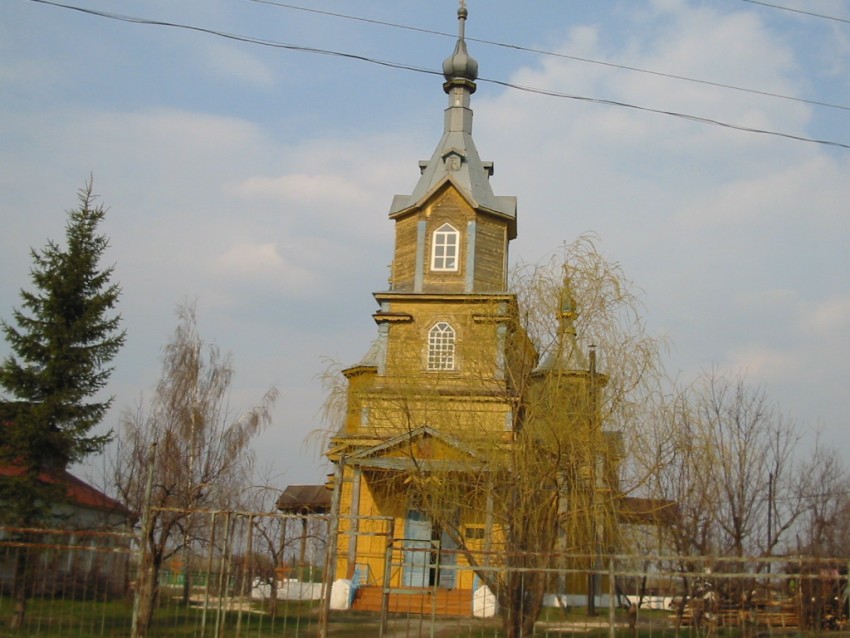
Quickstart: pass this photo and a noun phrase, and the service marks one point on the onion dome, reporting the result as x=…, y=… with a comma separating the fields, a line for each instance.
x=460, y=65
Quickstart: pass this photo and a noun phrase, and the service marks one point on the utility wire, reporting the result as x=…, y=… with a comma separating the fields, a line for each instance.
x=407, y=67
x=685, y=116
x=565, y=56
x=236, y=37
x=808, y=13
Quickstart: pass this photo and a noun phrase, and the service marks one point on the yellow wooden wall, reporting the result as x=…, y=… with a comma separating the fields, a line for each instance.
x=491, y=246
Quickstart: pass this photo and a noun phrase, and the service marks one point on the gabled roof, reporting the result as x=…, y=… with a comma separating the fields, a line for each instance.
x=373, y=356
x=469, y=175
x=314, y=499
x=79, y=492
x=424, y=448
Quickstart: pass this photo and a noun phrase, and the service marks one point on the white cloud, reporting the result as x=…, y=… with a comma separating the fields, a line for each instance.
x=263, y=268
x=317, y=189
x=761, y=364
x=248, y=259
x=739, y=239
x=238, y=64
x=275, y=217
x=829, y=319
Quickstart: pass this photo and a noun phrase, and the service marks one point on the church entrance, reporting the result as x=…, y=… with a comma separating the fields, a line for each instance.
x=428, y=553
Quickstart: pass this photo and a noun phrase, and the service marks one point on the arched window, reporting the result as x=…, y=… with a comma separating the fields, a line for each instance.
x=444, y=249
x=441, y=347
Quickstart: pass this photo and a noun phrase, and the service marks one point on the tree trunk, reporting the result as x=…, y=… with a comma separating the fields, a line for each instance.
x=519, y=623
x=148, y=593
x=20, y=585
x=187, y=574
x=273, y=596
x=522, y=603
x=591, y=594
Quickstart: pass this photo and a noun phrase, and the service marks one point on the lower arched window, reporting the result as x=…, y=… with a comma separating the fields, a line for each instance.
x=441, y=347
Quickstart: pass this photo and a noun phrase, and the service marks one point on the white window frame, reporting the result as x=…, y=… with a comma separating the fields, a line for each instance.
x=445, y=249
x=442, y=341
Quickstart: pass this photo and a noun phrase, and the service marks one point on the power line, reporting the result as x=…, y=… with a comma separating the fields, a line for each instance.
x=236, y=37
x=685, y=116
x=407, y=67
x=808, y=13
x=565, y=56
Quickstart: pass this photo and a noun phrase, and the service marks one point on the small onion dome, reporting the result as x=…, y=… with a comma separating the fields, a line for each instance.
x=459, y=65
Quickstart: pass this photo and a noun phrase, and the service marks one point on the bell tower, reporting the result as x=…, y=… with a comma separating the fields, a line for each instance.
x=437, y=384
x=452, y=232
x=445, y=320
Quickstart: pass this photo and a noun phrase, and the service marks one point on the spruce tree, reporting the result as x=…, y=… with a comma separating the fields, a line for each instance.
x=65, y=336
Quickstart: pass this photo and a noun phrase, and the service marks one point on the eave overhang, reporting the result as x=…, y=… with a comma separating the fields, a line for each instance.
x=501, y=207
x=392, y=317
x=359, y=369
x=424, y=297
x=377, y=456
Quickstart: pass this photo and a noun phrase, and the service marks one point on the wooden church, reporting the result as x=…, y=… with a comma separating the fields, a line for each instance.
x=436, y=406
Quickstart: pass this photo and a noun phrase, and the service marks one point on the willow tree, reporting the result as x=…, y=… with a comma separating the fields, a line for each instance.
x=574, y=369
x=183, y=450
x=595, y=381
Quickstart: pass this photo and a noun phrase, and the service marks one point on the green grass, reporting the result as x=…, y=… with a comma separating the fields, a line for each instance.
x=94, y=619
x=52, y=618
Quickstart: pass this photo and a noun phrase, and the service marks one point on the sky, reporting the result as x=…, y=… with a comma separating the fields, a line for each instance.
x=255, y=179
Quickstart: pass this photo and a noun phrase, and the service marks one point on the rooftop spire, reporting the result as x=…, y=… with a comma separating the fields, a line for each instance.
x=566, y=355
x=459, y=69
x=456, y=158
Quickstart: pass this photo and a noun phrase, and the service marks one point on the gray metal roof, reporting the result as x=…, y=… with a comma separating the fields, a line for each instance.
x=375, y=354
x=456, y=159
x=565, y=355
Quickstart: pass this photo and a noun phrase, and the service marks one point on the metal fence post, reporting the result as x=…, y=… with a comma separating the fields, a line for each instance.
x=388, y=572
x=612, y=592
x=330, y=557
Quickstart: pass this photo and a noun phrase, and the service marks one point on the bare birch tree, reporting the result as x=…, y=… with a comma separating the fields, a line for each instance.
x=729, y=460
x=191, y=447
x=275, y=535
x=752, y=465
x=750, y=472
x=826, y=519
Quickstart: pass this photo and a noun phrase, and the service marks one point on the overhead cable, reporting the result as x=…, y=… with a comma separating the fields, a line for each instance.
x=407, y=67
x=565, y=56
x=808, y=13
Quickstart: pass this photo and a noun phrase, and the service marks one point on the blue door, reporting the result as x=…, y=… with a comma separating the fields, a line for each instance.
x=417, y=549
x=448, y=574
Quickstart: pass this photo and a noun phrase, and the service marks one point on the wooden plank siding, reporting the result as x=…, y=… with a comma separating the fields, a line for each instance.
x=404, y=258
x=448, y=208
x=461, y=416
x=475, y=323
x=490, y=255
